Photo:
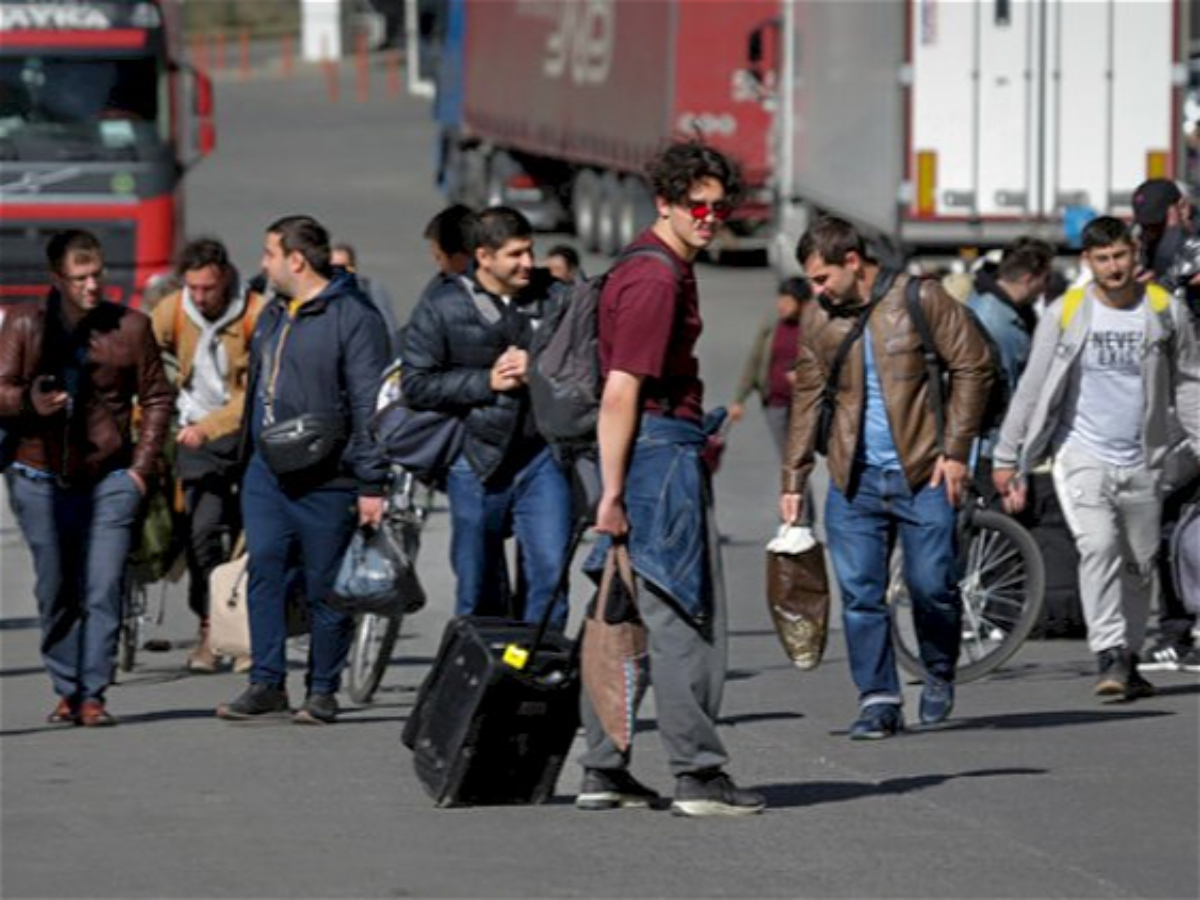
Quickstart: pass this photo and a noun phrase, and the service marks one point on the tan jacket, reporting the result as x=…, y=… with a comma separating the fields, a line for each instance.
x=177, y=334
x=902, y=372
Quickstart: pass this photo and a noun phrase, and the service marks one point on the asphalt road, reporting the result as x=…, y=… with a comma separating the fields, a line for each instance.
x=1033, y=790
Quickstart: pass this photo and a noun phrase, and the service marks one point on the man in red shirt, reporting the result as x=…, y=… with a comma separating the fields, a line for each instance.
x=656, y=495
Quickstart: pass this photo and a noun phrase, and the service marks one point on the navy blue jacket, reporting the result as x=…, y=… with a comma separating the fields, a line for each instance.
x=333, y=355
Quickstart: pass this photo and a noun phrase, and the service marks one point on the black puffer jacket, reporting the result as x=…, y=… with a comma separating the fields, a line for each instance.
x=456, y=333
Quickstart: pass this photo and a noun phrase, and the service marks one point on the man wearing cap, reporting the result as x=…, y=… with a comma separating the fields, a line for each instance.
x=1163, y=215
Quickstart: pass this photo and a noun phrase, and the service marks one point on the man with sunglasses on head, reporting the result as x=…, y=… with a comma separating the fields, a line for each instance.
x=651, y=438
x=892, y=470
x=70, y=370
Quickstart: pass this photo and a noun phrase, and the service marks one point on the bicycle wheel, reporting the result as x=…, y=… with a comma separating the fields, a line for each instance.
x=133, y=608
x=1003, y=587
x=370, y=652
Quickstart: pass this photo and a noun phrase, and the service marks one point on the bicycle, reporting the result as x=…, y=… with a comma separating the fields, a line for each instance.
x=1003, y=587
x=375, y=636
x=136, y=618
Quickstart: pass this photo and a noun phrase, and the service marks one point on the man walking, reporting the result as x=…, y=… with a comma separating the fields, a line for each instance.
x=466, y=353
x=1111, y=367
x=206, y=326
x=656, y=494
x=70, y=370
x=892, y=471
x=314, y=471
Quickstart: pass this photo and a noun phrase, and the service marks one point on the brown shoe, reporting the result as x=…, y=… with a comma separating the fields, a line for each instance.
x=201, y=660
x=242, y=664
x=65, y=713
x=93, y=715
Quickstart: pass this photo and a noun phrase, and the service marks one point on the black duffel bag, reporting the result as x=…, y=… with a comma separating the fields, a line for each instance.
x=302, y=443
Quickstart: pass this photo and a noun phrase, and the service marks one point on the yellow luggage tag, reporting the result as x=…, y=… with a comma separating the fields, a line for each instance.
x=515, y=656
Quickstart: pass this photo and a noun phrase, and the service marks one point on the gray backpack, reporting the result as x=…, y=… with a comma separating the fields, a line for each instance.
x=564, y=368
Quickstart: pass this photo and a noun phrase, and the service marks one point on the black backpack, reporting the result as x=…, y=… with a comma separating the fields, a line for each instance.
x=998, y=397
x=564, y=366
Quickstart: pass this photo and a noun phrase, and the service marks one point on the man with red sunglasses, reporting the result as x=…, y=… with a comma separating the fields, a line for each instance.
x=650, y=435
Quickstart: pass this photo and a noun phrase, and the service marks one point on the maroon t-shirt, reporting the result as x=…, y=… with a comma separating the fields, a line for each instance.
x=785, y=345
x=649, y=325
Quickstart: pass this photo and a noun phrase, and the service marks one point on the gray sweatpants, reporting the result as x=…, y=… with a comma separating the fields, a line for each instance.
x=1113, y=513
x=687, y=671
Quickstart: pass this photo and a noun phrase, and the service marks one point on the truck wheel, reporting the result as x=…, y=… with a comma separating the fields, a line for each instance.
x=635, y=210
x=608, y=240
x=585, y=207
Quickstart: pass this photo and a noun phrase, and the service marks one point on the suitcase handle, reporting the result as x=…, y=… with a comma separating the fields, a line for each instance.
x=561, y=588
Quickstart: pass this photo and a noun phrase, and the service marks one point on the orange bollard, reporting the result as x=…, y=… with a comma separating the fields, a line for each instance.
x=200, y=55
x=363, y=71
x=393, y=72
x=288, y=55
x=244, y=54
x=221, y=56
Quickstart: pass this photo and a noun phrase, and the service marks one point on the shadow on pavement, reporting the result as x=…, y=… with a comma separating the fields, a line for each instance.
x=21, y=673
x=169, y=715
x=18, y=624
x=1016, y=721
x=814, y=793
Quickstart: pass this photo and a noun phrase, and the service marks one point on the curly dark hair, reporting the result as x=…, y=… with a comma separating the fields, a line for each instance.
x=680, y=164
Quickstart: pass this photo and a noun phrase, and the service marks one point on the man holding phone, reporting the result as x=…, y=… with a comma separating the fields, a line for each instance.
x=70, y=369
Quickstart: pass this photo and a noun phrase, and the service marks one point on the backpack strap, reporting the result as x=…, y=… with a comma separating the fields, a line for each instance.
x=933, y=363
x=177, y=324
x=1072, y=300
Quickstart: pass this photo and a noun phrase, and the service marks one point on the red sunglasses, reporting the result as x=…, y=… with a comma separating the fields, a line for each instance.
x=701, y=211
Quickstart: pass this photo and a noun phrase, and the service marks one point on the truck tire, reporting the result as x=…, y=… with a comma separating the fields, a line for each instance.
x=635, y=209
x=585, y=207
x=608, y=239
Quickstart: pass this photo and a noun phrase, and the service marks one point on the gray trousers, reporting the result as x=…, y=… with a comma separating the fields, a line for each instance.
x=1113, y=513
x=687, y=671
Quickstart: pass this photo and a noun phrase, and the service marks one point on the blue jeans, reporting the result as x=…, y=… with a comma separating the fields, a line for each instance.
x=535, y=504
x=80, y=540
x=286, y=533
x=862, y=530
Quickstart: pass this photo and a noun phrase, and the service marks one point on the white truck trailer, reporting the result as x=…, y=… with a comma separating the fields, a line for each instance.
x=942, y=125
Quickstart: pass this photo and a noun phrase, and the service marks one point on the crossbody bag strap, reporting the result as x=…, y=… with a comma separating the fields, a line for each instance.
x=933, y=363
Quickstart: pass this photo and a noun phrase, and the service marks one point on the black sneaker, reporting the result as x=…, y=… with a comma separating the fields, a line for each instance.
x=714, y=794
x=1136, y=687
x=876, y=722
x=1190, y=661
x=1113, y=665
x=1165, y=656
x=256, y=701
x=613, y=789
x=318, y=709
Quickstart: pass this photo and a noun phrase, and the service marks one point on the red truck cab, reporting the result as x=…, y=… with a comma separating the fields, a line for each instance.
x=94, y=134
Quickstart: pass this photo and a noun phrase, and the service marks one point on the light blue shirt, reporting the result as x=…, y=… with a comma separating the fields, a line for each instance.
x=877, y=448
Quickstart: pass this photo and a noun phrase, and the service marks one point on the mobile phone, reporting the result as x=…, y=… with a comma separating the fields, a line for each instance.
x=49, y=383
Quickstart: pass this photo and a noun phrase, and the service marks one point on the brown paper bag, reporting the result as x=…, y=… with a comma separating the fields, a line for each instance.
x=798, y=599
x=614, y=650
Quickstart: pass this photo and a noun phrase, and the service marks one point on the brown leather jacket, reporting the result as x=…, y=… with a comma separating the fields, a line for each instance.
x=902, y=372
x=120, y=363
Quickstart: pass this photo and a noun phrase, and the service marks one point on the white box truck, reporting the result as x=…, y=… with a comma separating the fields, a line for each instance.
x=941, y=125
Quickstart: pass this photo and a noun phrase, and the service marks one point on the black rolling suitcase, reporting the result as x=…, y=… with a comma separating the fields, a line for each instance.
x=495, y=717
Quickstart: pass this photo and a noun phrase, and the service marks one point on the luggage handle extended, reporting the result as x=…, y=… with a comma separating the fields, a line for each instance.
x=561, y=589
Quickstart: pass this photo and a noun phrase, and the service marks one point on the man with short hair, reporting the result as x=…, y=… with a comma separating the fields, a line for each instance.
x=563, y=262
x=657, y=495
x=1003, y=302
x=447, y=235
x=1112, y=364
x=466, y=353
x=892, y=472
x=206, y=326
x=72, y=370
x=344, y=256
x=317, y=354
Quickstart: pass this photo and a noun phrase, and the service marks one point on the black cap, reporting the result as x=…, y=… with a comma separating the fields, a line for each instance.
x=1152, y=199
